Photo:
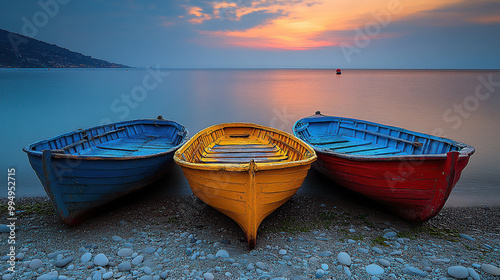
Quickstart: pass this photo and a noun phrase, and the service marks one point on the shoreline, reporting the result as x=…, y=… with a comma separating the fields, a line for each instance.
x=183, y=238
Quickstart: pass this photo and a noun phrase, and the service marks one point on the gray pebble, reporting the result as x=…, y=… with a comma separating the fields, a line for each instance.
x=164, y=274
x=137, y=260
x=491, y=269
x=377, y=250
x=396, y=253
x=465, y=236
x=63, y=262
x=125, y=266
x=414, y=271
x=55, y=254
x=458, y=272
x=347, y=271
x=101, y=260
x=390, y=234
x=149, y=250
x=473, y=274
x=208, y=276
x=319, y=273
x=35, y=264
x=48, y=276
x=125, y=252
x=261, y=265
x=384, y=262
x=97, y=276
x=374, y=269
x=363, y=250
x=344, y=258
x=86, y=257
x=20, y=256
x=222, y=254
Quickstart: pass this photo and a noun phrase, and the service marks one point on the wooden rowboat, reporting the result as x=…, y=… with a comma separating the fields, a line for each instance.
x=410, y=172
x=84, y=169
x=245, y=171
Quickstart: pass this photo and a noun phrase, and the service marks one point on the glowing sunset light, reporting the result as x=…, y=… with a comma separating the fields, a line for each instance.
x=199, y=16
x=302, y=25
x=324, y=34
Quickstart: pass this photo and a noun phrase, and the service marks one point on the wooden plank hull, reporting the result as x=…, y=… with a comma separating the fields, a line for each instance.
x=247, y=197
x=240, y=176
x=79, y=179
x=415, y=189
x=411, y=173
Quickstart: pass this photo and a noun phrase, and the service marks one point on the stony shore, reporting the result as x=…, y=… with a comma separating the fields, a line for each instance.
x=307, y=238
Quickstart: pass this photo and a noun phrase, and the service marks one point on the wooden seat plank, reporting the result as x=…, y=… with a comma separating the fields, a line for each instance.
x=327, y=139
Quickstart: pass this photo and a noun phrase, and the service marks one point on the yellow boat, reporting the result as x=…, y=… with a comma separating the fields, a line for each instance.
x=244, y=170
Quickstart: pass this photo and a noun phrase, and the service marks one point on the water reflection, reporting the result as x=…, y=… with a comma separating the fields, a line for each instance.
x=37, y=104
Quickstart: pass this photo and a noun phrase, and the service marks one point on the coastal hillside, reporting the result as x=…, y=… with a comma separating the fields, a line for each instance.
x=18, y=51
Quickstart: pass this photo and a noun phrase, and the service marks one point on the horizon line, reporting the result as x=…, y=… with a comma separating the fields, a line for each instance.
x=259, y=68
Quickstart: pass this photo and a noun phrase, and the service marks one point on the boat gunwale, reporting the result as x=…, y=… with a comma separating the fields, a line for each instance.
x=465, y=150
x=243, y=166
x=28, y=148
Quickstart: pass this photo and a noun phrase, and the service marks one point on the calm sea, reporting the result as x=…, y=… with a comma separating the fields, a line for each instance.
x=462, y=105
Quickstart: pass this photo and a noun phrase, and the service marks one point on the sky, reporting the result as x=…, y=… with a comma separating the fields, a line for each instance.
x=373, y=34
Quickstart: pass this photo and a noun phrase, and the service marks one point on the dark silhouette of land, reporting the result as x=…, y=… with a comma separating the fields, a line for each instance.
x=18, y=51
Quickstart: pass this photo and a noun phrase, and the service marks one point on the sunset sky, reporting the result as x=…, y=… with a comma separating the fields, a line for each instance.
x=432, y=34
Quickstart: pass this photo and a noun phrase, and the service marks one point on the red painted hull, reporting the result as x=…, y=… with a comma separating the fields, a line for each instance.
x=414, y=187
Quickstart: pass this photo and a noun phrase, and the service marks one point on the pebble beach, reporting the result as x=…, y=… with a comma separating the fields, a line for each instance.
x=307, y=238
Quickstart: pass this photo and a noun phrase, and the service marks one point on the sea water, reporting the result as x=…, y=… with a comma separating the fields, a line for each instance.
x=36, y=104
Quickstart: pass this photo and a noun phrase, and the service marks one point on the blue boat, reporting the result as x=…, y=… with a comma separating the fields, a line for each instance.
x=412, y=173
x=84, y=169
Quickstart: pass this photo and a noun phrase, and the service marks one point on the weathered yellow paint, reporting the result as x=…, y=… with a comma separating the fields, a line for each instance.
x=244, y=170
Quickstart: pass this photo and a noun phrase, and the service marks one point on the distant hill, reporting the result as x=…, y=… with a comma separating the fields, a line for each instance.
x=18, y=51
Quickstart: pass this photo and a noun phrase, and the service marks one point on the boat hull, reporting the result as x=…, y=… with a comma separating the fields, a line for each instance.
x=415, y=189
x=78, y=185
x=76, y=193
x=247, y=192
x=246, y=197
x=411, y=173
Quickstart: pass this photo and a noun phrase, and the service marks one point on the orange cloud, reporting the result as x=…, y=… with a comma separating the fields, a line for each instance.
x=197, y=15
x=308, y=25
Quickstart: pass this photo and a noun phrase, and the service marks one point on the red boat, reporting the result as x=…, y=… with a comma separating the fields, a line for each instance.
x=411, y=173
